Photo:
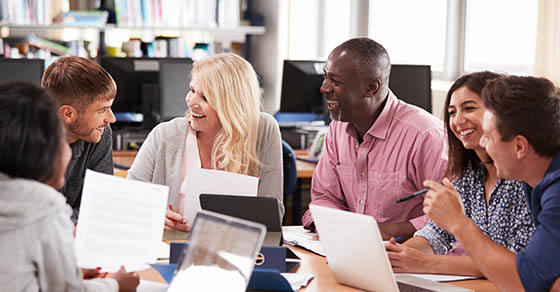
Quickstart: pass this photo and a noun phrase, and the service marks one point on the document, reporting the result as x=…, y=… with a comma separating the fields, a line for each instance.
x=150, y=286
x=211, y=181
x=298, y=236
x=120, y=223
x=440, y=278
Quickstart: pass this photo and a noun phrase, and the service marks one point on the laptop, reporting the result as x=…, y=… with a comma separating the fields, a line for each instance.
x=257, y=209
x=357, y=256
x=220, y=247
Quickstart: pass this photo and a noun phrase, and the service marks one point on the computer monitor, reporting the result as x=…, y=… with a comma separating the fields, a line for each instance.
x=301, y=81
x=153, y=87
x=30, y=70
x=412, y=84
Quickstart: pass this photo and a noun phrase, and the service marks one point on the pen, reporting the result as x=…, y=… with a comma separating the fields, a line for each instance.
x=413, y=195
x=171, y=208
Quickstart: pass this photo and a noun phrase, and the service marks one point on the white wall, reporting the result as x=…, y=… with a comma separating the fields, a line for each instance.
x=270, y=50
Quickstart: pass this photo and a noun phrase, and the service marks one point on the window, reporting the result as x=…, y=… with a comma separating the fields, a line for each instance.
x=453, y=36
x=501, y=36
x=412, y=31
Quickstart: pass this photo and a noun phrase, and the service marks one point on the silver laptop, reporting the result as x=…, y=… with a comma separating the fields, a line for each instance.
x=262, y=210
x=357, y=256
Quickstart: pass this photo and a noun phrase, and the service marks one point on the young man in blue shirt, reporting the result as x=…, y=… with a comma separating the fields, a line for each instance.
x=521, y=128
x=84, y=92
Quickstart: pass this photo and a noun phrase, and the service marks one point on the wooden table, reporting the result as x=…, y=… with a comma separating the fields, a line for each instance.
x=304, y=169
x=324, y=280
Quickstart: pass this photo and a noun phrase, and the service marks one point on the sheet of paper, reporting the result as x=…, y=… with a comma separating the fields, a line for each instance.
x=297, y=281
x=439, y=278
x=211, y=181
x=298, y=236
x=120, y=223
x=163, y=251
x=149, y=286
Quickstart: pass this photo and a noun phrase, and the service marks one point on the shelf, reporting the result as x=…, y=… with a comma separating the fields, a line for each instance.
x=252, y=30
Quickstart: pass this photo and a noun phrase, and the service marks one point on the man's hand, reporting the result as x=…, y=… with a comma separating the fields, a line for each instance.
x=175, y=221
x=407, y=260
x=443, y=205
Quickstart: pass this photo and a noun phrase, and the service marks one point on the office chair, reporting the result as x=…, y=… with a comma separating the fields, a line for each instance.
x=292, y=185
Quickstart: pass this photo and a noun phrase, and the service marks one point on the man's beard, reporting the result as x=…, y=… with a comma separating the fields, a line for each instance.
x=80, y=129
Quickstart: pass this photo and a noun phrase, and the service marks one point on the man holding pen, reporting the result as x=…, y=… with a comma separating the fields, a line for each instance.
x=522, y=135
x=378, y=148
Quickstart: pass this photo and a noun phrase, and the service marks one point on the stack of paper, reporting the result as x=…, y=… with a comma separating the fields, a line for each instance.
x=297, y=236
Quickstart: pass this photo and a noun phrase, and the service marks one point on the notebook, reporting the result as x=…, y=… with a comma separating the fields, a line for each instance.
x=357, y=256
x=262, y=210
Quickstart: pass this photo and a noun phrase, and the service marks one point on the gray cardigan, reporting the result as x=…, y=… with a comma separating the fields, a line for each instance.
x=160, y=157
x=36, y=241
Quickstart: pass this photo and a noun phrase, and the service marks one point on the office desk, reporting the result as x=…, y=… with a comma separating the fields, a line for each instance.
x=324, y=281
x=304, y=169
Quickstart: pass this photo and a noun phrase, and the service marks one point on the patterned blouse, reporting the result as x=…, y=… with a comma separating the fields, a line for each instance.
x=507, y=220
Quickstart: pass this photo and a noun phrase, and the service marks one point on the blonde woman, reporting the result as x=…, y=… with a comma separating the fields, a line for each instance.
x=223, y=129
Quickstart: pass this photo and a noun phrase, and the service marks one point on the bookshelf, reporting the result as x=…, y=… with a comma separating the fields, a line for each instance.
x=83, y=27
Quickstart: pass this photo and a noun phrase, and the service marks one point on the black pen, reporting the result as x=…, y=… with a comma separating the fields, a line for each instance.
x=413, y=195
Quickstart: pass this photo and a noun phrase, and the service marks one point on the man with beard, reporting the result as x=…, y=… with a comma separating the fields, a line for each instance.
x=378, y=148
x=84, y=92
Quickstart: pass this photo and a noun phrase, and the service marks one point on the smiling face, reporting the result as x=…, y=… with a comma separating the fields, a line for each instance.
x=466, y=111
x=204, y=118
x=343, y=88
x=89, y=124
x=502, y=153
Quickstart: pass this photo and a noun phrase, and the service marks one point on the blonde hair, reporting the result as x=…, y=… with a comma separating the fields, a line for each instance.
x=231, y=87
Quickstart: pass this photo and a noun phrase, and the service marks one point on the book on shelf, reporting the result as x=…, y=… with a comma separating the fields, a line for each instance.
x=177, y=13
x=95, y=18
x=29, y=12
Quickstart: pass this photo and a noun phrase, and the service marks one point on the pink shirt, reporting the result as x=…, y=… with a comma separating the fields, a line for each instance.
x=405, y=146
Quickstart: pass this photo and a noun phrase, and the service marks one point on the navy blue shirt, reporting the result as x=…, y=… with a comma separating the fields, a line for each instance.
x=539, y=264
x=507, y=220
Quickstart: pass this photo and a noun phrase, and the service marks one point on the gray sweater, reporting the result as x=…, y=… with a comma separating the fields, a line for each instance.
x=36, y=241
x=160, y=157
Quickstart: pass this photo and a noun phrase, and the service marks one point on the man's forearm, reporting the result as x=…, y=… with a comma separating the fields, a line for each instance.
x=494, y=261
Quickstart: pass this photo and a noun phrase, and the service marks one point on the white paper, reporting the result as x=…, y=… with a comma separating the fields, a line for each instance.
x=120, y=223
x=298, y=236
x=150, y=286
x=297, y=280
x=439, y=278
x=163, y=251
x=211, y=181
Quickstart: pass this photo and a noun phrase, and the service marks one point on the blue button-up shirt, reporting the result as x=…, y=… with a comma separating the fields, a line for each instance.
x=539, y=264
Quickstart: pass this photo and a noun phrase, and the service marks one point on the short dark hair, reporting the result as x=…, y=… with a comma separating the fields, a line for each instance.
x=460, y=157
x=526, y=106
x=31, y=133
x=78, y=82
x=370, y=55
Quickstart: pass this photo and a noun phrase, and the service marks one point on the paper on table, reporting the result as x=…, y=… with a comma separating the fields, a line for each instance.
x=163, y=251
x=297, y=235
x=211, y=181
x=439, y=278
x=150, y=286
x=120, y=222
x=297, y=280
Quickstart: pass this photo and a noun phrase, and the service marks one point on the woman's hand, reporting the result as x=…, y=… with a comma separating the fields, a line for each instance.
x=175, y=221
x=92, y=273
x=405, y=259
x=443, y=205
x=127, y=281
